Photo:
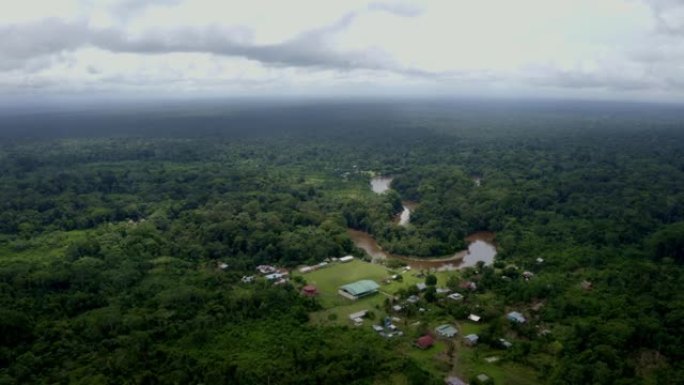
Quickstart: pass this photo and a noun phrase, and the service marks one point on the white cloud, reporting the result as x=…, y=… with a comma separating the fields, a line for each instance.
x=624, y=48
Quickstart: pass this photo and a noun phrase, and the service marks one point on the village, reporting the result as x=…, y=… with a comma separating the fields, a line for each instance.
x=442, y=318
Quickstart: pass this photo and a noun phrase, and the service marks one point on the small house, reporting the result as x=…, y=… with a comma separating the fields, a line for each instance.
x=347, y=258
x=505, y=343
x=474, y=318
x=425, y=342
x=516, y=317
x=421, y=286
x=247, y=278
x=456, y=296
x=266, y=269
x=378, y=328
x=452, y=380
x=446, y=331
x=413, y=299
x=482, y=378
x=276, y=276
x=471, y=339
x=443, y=290
x=470, y=285
x=397, y=308
x=310, y=291
x=358, y=315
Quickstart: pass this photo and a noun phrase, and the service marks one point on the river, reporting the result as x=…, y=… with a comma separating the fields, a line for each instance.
x=379, y=185
x=481, y=245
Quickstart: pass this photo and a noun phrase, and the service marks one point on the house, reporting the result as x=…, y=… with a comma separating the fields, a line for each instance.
x=397, y=308
x=505, y=343
x=527, y=275
x=222, y=265
x=454, y=381
x=586, y=285
x=276, y=276
x=470, y=285
x=310, y=291
x=421, y=286
x=474, y=318
x=446, y=331
x=456, y=296
x=247, y=278
x=347, y=258
x=443, y=290
x=378, y=328
x=540, y=260
x=266, y=269
x=471, y=339
x=515, y=316
x=306, y=269
x=425, y=342
x=357, y=318
x=482, y=378
x=413, y=299
x=358, y=289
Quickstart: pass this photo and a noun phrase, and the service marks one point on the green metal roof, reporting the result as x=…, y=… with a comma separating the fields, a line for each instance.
x=360, y=287
x=446, y=330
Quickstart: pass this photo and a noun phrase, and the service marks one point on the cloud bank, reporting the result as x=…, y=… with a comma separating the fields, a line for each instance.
x=613, y=49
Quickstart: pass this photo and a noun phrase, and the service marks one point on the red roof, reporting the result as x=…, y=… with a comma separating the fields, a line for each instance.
x=309, y=290
x=425, y=342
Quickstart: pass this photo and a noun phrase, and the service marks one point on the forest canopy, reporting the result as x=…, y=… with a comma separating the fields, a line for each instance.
x=112, y=226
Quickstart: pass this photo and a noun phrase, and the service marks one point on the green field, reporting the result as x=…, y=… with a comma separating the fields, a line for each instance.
x=329, y=279
x=471, y=362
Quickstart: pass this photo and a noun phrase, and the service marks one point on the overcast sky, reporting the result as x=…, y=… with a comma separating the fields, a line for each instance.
x=613, y=49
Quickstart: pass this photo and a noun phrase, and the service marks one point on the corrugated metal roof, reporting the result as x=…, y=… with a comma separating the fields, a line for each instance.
x=360, y=287
x=446, y=330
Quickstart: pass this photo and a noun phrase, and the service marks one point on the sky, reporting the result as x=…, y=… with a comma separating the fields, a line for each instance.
x=592, y=49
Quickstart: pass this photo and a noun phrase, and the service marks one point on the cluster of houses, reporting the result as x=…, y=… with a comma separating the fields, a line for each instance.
x=278, y=276
x=448, y=331
x=387, y=329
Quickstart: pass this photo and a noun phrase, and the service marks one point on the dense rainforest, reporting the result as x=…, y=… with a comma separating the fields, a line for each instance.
x=113, y=224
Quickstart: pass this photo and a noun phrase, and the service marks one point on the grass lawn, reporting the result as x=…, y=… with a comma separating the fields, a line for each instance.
x=430, y=359
x=471, y=362
x=329, y=279
x=469, y=327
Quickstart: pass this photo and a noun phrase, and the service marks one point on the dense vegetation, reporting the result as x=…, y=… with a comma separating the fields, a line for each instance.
x=112, y=229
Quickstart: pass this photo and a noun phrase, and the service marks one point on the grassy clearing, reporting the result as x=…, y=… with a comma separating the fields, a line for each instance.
x=431, y=359
x=43, y=249
x=329, y=279
x=468, y=327
x=471, y=362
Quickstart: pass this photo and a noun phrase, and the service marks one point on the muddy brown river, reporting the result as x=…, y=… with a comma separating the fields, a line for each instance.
x=481, y=245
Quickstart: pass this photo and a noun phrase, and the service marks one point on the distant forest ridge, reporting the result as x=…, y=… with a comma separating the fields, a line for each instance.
x=250, y=118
